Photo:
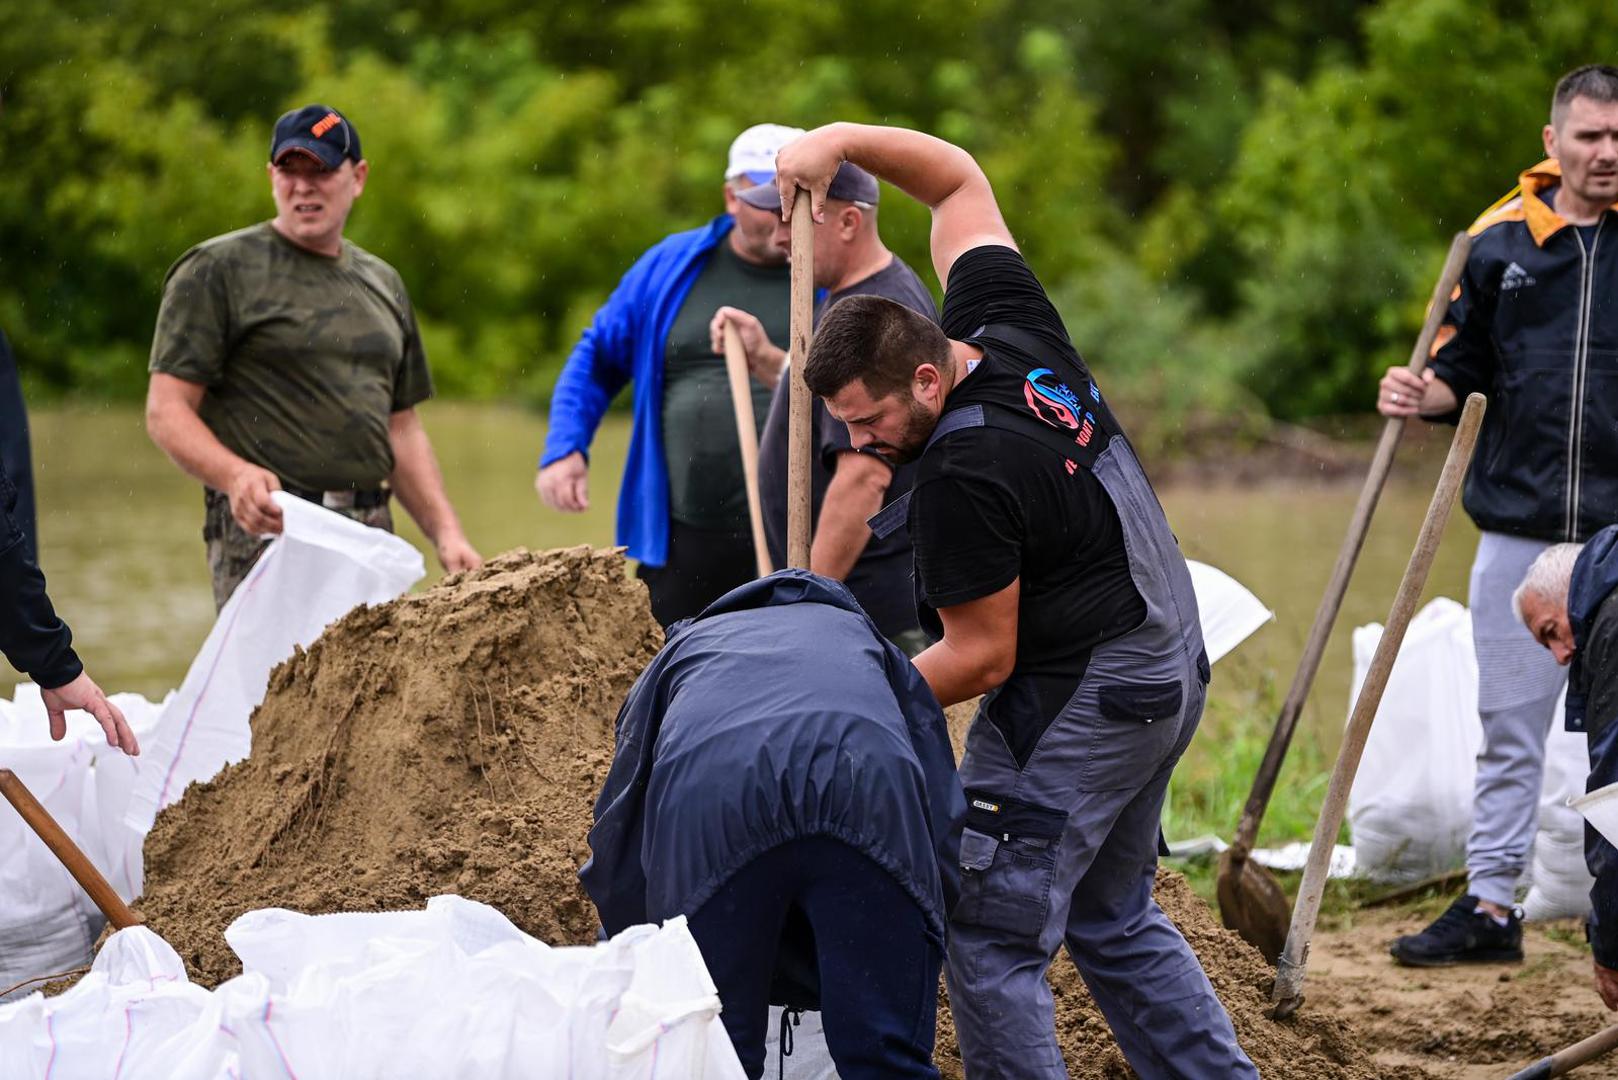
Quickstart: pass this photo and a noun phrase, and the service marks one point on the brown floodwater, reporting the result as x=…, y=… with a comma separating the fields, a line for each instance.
x=120, y=533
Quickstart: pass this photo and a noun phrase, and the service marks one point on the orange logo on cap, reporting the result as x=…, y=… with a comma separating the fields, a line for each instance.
x=325, y=124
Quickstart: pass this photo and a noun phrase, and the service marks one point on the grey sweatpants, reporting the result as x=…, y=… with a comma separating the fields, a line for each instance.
x=1518, y=684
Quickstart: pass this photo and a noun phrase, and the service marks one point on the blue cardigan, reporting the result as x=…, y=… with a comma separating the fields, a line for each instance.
x=624, y=342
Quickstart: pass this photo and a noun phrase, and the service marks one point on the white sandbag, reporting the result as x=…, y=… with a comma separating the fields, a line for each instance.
x=1410, y=808
x=320, y=567
x=47, y=923
x=452, y=991
x=810, y=1058
x=1559, y=879
x=1229, y=613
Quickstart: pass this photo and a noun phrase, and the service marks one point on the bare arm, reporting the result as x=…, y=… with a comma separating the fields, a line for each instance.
x=979, y=647
x=854, y=494
x=174, y=424
x=417, y=481
x=940, y=175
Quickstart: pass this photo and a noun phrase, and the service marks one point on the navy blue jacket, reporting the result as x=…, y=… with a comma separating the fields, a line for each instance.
x=14, y=444
x=1592, y=703
x=1533, y=324
x=780, y=712
x=32, y=638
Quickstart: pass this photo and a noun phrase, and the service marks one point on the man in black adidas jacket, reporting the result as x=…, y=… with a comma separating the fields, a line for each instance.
x=1534, y=325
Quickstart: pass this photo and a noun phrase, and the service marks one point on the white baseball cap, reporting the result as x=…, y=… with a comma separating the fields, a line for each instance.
x=753, y=153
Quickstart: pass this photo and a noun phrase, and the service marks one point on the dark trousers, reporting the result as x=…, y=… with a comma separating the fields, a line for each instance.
x=878, y=964
x=702, y=566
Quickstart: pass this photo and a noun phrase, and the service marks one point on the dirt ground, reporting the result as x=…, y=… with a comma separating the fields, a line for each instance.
x=1460, y=1023
x=454, y=741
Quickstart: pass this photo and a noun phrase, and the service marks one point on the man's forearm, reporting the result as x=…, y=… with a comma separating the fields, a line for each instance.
x=956, y=675
x=417, y=480
x=926, y=168
x=188, y=442
x=855, y=493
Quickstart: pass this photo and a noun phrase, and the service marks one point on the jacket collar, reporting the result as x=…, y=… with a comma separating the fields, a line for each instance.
x=1595, y=576
x=781, y=587
x=1543, y=221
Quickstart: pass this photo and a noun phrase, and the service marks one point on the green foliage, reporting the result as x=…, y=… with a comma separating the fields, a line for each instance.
x=1238, y=207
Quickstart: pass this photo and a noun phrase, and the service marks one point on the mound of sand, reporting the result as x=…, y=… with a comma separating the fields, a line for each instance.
x=452, y=741
x=455, y=741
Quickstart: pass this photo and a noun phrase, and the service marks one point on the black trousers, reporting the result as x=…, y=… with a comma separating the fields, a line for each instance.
x=702, y=566
x=877, y=962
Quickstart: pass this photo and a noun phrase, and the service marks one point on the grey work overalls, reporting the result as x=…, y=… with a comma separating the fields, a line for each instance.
x=1064, y=847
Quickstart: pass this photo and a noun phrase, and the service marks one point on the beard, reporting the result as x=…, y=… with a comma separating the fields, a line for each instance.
x=918, y=428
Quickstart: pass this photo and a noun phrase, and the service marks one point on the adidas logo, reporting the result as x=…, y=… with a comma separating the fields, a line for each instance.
x=1515, y=277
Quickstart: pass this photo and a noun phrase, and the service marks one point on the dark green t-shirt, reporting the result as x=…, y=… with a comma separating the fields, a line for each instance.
x=305, y=356
x=706, y=486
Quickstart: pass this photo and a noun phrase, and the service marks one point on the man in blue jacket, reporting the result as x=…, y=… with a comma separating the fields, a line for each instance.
x=783, y=777
x=1569, y=602
x=1532, y=326
x=682, y=509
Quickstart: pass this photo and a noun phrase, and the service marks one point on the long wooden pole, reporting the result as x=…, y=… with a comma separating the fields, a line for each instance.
x=1287, y=994
x=1337, y=586
x=1566, y=1060
x=741, y=399
x=62, y=846
x=799, y=442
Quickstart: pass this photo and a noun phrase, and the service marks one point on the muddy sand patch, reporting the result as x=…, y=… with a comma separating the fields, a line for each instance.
x=454, y=741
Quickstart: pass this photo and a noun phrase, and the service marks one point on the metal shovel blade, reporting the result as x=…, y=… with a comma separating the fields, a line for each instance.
x=1253, y=904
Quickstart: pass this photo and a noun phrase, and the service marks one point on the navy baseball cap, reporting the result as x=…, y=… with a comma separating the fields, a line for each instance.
x=851, y=183
x=318, y=132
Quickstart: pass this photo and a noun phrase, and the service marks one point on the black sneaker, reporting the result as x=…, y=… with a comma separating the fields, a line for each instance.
x=1462, y=935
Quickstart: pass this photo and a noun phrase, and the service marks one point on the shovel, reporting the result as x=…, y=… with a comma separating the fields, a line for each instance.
x=798, y=442
x=741, y=399
x=1570, y=1058
x=62, y=846
x=1250, y=899
x=1287, y=994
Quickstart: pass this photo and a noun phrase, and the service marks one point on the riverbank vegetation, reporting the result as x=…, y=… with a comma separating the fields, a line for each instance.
x=1239, y=208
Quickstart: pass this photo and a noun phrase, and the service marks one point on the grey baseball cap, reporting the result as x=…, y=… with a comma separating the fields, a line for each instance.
x=852, y=184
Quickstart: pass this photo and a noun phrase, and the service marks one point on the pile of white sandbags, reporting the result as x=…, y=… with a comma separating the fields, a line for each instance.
x=452, y=991
x=1410, y=808
x=320, y=567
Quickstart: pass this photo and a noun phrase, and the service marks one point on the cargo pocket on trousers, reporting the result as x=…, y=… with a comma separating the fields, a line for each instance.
x=1006, y=874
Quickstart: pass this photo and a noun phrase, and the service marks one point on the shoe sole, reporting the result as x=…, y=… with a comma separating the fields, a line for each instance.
x=1491, y=956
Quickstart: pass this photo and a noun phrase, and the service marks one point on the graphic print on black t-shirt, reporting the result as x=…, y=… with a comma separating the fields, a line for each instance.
x=1007, y=501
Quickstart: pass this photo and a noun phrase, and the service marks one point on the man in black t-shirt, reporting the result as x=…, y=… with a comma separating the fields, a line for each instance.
x=847, y=486
x=1046, y=566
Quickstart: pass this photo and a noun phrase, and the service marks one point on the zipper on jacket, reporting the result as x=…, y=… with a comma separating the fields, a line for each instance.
x=1581, y=354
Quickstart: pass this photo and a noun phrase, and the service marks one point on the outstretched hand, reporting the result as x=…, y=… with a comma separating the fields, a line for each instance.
x=83, y=693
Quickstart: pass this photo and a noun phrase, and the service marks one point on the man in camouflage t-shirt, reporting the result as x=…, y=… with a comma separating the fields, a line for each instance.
x=287, y=358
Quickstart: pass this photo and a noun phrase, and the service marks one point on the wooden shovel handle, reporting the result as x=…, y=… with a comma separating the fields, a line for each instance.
x=1337, y=585
x=799, y=445
x=741, y=399
x=1287, y=993
x=62, y=845
x=1566, y=1060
